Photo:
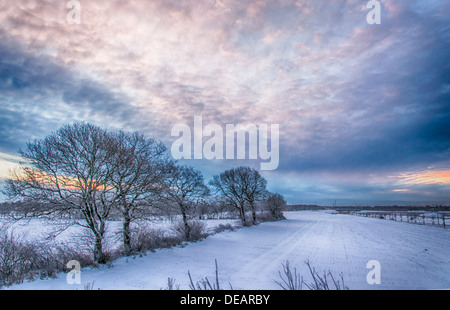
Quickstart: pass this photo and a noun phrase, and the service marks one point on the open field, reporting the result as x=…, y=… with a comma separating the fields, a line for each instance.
x=410, y=256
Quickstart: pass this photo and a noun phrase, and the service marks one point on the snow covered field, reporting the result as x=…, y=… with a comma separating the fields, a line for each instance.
x=60, y=231
x=411, y=256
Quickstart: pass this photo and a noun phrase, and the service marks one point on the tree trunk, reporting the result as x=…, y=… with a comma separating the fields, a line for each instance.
x=187, y=229
x=99, y=256
x=242, y=213
x=253, y=213
x=126, y=234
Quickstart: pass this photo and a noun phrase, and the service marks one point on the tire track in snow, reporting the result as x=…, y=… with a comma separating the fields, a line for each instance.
x=264, y=267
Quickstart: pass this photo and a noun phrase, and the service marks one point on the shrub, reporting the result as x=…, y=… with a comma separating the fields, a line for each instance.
x=13, y=259
x=204, y=284
x=291, y=280
x=223, y=227
x=197, y=230
x=146, y=238
x=265, y=217
x=21, y=260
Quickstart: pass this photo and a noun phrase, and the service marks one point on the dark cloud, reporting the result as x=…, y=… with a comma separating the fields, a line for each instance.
x=39, y=94
x=394, y=106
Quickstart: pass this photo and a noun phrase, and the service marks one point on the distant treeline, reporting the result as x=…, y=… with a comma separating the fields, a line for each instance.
x=304, y=207
x=301, y=207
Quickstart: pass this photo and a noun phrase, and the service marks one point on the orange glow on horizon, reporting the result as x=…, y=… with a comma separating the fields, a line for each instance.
x=426, y=177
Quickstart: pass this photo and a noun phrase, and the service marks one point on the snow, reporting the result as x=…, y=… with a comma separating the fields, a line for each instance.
x=411, y=256
x=64, y=231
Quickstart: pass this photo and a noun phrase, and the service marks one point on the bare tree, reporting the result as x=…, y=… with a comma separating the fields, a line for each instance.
x=70, y=171
x=227, y=185
x=242, y=187
x=185, y=188
x=275, y=204
x=254, y=187
x=140, y=166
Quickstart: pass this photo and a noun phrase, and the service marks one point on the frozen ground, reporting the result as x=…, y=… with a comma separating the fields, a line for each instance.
x=411, y=256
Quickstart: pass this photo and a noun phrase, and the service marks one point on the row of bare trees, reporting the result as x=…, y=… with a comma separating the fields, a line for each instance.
x=92, y=172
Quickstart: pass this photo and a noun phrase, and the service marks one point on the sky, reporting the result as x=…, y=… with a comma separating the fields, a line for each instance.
x=363, y=109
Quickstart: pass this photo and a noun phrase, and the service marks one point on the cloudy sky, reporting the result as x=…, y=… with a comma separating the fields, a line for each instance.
x=363, y=110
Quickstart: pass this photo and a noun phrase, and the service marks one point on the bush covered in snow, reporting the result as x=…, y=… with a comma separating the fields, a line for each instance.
x=146, y=238
x=21, y=259
x=193, y=231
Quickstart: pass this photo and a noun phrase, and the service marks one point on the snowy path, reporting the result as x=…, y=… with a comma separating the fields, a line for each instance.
x=411, y=256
